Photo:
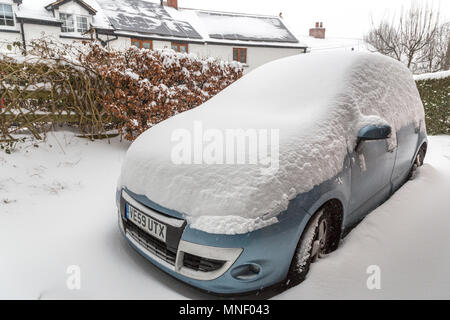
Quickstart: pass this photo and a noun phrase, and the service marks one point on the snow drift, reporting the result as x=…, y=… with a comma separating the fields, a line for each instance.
x=317, y=102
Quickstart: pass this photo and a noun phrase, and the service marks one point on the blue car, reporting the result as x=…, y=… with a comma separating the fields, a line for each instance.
x=349, y=130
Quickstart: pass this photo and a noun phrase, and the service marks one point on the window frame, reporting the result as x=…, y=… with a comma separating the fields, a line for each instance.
x=141, y=43
x=79, y=23
x=239, y=54
x=178, y=46
x=64, y=22
x=4, y=17
x=75, y=23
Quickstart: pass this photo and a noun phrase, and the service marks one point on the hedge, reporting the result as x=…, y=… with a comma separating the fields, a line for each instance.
x=100, y=90
x=435, y=94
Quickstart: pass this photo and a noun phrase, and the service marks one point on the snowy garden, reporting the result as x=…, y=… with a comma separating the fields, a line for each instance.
x=57, y=210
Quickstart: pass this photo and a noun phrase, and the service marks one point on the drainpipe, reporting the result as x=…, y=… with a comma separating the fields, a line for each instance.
x=23, y=37
x=105, y=42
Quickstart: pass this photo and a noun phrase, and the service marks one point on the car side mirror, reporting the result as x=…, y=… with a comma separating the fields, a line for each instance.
x=373, y=132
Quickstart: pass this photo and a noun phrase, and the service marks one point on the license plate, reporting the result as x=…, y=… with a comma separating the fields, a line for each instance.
x=146, y=223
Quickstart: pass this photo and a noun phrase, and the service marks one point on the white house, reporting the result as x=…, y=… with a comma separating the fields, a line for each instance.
x=250, y=39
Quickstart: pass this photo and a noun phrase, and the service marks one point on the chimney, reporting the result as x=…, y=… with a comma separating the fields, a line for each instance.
x=173, y=3
x=318, y=32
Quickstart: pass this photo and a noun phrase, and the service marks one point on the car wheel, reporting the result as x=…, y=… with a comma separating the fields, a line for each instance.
x=418, y=162
x=314, y=243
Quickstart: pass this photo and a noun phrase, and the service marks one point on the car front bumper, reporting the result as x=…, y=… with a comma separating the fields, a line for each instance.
x=253, y=261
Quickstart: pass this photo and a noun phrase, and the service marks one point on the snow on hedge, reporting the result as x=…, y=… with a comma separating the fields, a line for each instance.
x=132, y=89
x=433, y=75
x=318, y=103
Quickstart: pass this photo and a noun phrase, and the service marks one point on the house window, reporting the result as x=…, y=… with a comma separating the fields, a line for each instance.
x=6, y=15
x=68, y=23
x=180, y=47
x=82, y=24
x=240, y=54
x=142, y=44
x=72, y=23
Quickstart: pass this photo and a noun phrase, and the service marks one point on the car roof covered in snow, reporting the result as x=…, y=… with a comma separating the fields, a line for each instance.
x=317, y=104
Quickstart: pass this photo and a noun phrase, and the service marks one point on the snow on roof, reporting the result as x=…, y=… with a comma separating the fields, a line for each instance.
x=268, y=35
x=35, y=9
x=433, y=75
x=100, y=20
x=245, y=27
x=318, y=102
x=144, y=17
x=150, y=18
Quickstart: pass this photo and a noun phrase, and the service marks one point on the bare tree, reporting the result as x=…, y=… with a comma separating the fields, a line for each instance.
x=415, y=37
x=446, y=60
x=435, y=56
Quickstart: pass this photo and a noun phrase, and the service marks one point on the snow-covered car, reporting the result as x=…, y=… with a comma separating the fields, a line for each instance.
x=349, y=131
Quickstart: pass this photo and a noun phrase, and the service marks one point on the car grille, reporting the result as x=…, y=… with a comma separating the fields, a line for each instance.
x=153, y=245
x=201, y=264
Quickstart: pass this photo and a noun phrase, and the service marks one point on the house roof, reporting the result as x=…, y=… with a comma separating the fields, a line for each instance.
x=82, y=3
x=243, y=27
x=36, y=10
x=148, y=19
x=145, y=17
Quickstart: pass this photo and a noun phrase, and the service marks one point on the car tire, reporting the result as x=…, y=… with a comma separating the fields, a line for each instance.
x=313, y=244
x=418, y=162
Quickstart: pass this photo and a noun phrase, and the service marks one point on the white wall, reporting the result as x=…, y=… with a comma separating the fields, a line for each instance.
x=256, y=56
x=122, y=43
x=35, y=32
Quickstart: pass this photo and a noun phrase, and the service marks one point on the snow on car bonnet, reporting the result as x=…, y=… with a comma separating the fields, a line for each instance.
x=309, y=108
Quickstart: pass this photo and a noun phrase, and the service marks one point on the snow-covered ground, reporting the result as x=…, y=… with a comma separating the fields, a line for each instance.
x=57, y=209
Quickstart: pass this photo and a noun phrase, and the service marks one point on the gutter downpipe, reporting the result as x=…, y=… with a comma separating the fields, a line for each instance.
x=105, y=42
x=23, y=37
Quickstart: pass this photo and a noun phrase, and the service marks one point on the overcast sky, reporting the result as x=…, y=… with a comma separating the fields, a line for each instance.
x=342, y=18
